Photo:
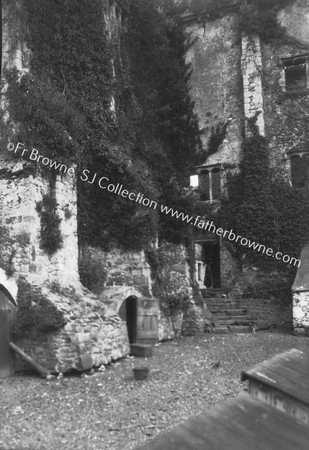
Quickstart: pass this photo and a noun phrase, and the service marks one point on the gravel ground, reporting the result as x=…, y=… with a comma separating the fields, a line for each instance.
x=110, y=410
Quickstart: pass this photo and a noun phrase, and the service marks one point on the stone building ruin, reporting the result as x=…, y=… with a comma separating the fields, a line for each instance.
x=63, y=325
x=236, y=82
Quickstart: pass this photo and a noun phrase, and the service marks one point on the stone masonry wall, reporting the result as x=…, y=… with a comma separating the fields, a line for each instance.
x=216, y=88
x=58, y=322
x=19, y=197
x=216, y=85
x=118, y=268
x=125, y=272
x=229, y=267
x=267, y=297
x=181, y=311
x=267, y=313
x=284, y=130
x=301, y=312
x=66, y=329
x=244, y=81
x=119, y=275
x=251, y=67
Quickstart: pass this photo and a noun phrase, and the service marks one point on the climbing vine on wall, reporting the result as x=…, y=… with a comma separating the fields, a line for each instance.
x=254, y=16
x=115, y=103
x=264, y=209
x=170, y=285
x=50, y=238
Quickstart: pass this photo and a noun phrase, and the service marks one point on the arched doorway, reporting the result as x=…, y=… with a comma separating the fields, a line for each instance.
x=128, y=312
x=207, y=259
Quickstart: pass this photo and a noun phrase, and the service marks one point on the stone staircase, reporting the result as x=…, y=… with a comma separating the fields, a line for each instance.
x=228, y=315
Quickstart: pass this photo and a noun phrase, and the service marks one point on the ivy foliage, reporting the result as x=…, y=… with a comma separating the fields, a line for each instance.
x=113, y=100
x=170, y=286
x=264, y=209
x=50, y=238
x=253, y=16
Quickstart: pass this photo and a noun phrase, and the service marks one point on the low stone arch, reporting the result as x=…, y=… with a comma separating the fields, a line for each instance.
x=139, y=312
x=128, y=313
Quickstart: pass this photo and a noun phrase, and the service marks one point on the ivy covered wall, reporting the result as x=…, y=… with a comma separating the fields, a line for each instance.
x=259, y=202
x=113, y=99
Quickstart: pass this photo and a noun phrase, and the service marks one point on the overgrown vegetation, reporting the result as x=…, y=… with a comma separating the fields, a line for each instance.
x=35, y=311
x=115, y=104
x=264, y=208
x=170, y=286
x=119, y=106
x=8, y=251
x=253, y=16
x=50, y=237
x=92, y=273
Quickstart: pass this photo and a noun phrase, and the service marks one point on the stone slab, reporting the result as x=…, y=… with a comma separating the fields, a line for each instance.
x=240, y=329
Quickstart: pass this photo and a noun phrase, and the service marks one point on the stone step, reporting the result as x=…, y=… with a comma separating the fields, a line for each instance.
x=226, y=329
x=220, y=330
x=237, y=312
x=218, y=317
x=218, y=299
x=212, y=293
x=223, y=309
x=228, y=312
x=227, y=305
x=233, y=305
x=239, y=329
x=232, y=321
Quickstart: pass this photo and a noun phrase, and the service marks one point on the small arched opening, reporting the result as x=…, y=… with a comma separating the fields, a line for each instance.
x=128, y=313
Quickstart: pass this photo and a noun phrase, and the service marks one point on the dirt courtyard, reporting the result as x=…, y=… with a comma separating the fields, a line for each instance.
x=109, y=410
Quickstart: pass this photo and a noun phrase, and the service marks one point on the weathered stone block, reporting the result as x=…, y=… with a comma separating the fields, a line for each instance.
x=220, y=330
x=85, y=362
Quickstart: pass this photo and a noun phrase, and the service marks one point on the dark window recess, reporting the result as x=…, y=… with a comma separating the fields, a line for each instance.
x=204, y=185
x=216, y=184
x=210, y=184
x=295, y=73
x=299, y=170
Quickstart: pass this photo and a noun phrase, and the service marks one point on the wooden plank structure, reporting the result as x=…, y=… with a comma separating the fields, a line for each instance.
x=8, y=291
x=272, y=416
x=41, y=370
x=283, y=383
x=243, y=423
x=6, y=364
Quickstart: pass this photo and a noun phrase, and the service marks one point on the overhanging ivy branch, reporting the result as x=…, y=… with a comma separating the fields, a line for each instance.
x=256, y=16
x=264, y=208
x=115, y=102
x=50, y=239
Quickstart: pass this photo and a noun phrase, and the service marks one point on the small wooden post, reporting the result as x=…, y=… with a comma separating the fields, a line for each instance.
x=29, y=360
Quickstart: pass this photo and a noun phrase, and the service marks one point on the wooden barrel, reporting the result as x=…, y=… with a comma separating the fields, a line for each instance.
x=147, y=328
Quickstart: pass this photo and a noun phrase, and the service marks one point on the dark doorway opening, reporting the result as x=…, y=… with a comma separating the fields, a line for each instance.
x=128, y=312
x=208, y=255
x=131, y=318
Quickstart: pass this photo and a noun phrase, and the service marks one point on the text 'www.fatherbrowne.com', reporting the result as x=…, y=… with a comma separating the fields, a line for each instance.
x=229, y=234
x=104, y=183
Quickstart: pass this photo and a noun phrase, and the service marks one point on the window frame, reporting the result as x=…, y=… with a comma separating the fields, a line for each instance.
x=210, y=169
x=299, y=154
x=287, y=62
